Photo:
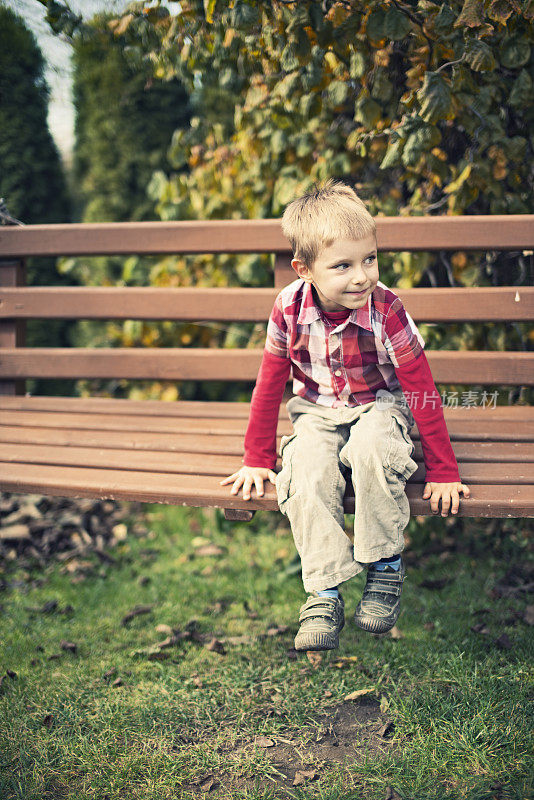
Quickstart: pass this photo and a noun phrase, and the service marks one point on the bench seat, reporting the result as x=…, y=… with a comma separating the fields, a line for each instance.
x=177, y=452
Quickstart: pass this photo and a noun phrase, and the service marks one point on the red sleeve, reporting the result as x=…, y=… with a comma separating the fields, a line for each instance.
x=424, y=401
x=260, y=437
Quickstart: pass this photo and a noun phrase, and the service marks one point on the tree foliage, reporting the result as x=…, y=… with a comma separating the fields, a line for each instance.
x=424, y=107
x=32, y=181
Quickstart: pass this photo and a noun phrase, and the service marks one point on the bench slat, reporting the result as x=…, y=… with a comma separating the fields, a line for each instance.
x=206, y=408
x=221, y=466
x=471, y=232
x=464, y=367
x=466, y=427
x=200, y=490
x=227, y=445
x=440, y=304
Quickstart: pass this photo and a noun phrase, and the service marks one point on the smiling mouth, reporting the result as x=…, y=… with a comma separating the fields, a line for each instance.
x=362, y=292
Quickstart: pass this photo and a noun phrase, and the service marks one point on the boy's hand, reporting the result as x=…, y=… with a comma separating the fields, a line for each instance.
x=248, y=476
x=445, y=491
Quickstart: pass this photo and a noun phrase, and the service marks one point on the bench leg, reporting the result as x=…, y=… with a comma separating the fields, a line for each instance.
x=240, y=514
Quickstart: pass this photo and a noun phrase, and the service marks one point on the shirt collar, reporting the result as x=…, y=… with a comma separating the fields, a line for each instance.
x=309, y=311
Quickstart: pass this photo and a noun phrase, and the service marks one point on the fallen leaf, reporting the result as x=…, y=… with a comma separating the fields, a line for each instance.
x=328, y=693
x=480, y=627
x=117, y=682
x=263, y=741
x=303, y=776
x=207, y=783
x=429, y=626
x=504, y=642
x=345, y=661
x=385, y=728
x=314, y=657
x=391, y=794
x=358, y=693
x=209, y=550
x=395, y=633
x=275, y=630
x=48, y=721
x=69, y=646
x=528, y=615
x=198, y=541
x=135, y=612
x=216, y=646
x=164, y=629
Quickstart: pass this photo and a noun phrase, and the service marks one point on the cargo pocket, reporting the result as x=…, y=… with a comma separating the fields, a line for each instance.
x=283, y=478
x=401, y=449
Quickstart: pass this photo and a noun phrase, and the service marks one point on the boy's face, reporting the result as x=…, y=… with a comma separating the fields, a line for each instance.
x=344, y=274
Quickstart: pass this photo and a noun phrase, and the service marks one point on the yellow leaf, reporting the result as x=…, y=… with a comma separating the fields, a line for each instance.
x=358, y=693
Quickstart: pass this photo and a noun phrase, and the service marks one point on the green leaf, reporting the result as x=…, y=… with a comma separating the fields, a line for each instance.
x=479, y=56
x=514, y=52
x=393, y=155
x=521, y=94
x=376, y=24
x=382, y=86
x=289, y=58
x=310, y=105
x=435, y=98
x=471, y=15
x=367, y=111
x=397, y=24
x=357, y=65
x=337, y=92
x=443, y=22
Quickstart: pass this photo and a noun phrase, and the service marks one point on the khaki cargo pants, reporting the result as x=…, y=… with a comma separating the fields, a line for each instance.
x=372, y=444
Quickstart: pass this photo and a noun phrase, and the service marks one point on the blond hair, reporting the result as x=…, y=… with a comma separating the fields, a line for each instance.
x=326, y=213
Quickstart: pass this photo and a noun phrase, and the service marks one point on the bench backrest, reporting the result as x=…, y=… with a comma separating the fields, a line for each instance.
x=432, y=305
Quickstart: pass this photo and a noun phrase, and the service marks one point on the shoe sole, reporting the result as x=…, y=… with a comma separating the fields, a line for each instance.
x=318, y=641
x=374, y=624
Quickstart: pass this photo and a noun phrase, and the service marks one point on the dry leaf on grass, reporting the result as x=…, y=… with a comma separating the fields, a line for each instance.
x=345, y=661
x=135, y=612
x=385, y=728
x=263, y=741
x=275, y=630
x=305, y=775
x=209, y=550
x=314, y=657
x=358, y=693
x=216, y=646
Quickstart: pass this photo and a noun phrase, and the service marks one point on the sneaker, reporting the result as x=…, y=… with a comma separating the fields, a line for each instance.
x=321, y=618
x=379, y=607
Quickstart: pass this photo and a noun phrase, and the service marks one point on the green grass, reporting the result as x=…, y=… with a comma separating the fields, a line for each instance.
x=459, y=702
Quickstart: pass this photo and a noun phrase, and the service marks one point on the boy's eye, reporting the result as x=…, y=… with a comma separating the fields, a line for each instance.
x=369, y=258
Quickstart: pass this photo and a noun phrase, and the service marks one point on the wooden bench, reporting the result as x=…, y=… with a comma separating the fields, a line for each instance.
x=177, y=452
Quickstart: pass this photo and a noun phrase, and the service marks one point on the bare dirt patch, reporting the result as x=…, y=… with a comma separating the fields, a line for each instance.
x=341, y=737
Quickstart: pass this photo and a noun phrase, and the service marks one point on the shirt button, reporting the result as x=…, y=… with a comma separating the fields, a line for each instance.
x=337, y=372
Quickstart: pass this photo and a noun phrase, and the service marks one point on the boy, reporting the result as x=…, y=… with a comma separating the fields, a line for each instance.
x=355, y=351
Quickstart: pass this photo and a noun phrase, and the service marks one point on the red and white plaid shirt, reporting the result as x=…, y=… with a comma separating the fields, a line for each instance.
x=340, y=364
x=342, y=359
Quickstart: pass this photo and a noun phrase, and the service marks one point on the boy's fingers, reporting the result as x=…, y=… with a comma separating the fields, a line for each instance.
x=259, y=486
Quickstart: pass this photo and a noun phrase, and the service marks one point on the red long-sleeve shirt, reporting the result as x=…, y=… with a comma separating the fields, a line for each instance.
x=415, y=379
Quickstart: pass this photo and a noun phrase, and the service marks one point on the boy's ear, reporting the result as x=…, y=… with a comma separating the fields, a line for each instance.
x=300, y=268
